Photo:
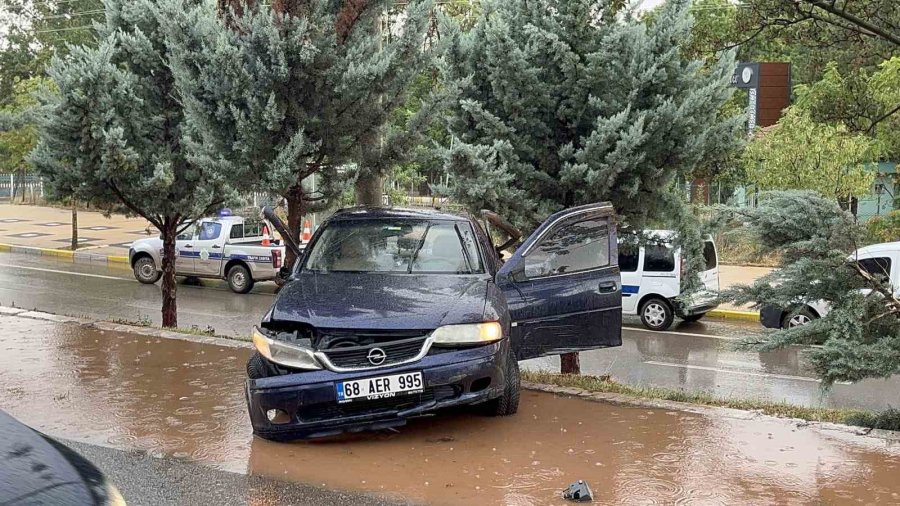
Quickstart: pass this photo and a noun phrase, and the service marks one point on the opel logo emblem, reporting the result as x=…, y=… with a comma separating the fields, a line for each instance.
x=376, y=356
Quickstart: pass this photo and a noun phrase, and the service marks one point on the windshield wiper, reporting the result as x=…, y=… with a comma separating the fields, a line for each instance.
x=418, y=248
x=462, y=242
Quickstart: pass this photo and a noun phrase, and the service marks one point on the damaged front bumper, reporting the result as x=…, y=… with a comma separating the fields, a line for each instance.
x=308, y=406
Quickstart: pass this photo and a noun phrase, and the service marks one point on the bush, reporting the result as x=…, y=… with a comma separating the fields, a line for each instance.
x=888, y=419
x=884, y=228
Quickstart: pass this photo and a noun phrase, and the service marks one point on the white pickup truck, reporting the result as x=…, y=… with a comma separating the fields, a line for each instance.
x=226, y=247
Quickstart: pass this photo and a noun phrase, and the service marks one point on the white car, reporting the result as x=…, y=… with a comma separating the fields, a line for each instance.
x=876, y=259
x=651, y=282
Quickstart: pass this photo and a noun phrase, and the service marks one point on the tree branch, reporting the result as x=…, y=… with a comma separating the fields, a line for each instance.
x=830, y=8
x=882, y=118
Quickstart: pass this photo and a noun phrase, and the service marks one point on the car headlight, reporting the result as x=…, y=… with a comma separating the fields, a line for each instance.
x=472, y=333
x=288, y=355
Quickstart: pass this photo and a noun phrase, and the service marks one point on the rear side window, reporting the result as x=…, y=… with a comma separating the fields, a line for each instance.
x=237, y=232
x=659, y=259
x=880, y=266
x=577, y=247
x=709, y=254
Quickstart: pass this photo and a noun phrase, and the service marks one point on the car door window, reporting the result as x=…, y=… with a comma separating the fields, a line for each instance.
x=659, y=258
x=709, y=254
x=880, y=266
x=577, y=247
x=210, y=230
x=628, y=259
x=187, y=234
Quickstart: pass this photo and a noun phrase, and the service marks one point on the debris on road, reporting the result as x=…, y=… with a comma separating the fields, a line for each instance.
x=578, y=492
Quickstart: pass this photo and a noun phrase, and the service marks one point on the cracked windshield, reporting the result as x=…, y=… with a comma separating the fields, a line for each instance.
x=468, y=252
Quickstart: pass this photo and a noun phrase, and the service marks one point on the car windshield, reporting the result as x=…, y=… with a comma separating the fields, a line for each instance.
x=400, y=246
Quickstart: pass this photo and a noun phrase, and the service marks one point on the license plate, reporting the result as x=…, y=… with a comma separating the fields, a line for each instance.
x=381, y=387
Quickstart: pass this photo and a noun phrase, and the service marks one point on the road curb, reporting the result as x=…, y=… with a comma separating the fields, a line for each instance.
x=731, y=314
x=62, y=253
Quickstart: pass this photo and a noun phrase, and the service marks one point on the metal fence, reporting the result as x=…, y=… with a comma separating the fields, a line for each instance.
x=26, y=188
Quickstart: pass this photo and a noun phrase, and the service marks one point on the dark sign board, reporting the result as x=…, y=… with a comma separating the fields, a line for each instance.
x=746, y=75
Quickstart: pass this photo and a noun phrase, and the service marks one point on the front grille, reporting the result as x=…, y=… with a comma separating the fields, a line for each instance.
x=358, y=356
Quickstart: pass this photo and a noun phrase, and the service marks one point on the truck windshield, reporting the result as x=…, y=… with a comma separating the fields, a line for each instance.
x=401, y=246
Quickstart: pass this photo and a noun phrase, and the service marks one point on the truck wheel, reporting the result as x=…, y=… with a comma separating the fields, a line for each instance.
x=239, y=279
x=145, y=270
x=508, y=403
x=656, y=314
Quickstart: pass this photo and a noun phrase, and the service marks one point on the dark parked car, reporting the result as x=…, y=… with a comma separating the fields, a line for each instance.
x=37, y=469
x=395, y=313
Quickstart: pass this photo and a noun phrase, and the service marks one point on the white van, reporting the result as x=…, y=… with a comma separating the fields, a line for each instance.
x=651, y=280
x=876, y=259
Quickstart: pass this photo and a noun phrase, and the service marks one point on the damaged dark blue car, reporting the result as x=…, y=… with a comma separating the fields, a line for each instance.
x=392, y=314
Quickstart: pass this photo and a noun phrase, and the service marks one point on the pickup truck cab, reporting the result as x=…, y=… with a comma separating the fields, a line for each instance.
x=226, y=247
x=397, y=313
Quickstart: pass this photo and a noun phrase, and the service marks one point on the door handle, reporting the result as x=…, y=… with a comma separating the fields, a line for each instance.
x=215, y=246
x=188, y=245
x=607, y=287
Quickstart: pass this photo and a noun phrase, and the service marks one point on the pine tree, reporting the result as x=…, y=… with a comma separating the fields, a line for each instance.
x=860, y=336
x=113, y=134
x=561, y=103
x=300, y=91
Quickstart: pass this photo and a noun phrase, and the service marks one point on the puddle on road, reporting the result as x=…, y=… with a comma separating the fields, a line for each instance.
x=185, y=399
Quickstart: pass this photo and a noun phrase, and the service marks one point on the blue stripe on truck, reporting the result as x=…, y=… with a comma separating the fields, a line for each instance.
x=630, y=289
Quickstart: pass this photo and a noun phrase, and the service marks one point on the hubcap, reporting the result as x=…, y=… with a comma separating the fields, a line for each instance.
x=238, y=279
x=147, y=270
x=798, y=320
x=655, y=314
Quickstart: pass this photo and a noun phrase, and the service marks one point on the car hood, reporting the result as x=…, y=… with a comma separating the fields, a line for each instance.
x=380, y=301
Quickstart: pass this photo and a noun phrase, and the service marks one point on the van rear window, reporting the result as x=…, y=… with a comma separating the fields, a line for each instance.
x=659, y=259
x=709, y=254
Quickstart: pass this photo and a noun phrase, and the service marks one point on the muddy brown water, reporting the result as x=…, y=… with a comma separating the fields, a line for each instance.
x=186, y=399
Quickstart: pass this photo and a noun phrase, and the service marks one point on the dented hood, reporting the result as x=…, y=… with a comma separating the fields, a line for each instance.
x=381, y=301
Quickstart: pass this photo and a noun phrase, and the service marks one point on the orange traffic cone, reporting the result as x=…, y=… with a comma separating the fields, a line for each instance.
x=307, y=232
x=266, y=240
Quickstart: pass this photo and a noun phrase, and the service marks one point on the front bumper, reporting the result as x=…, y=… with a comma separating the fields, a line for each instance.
x=770, y=316
x=309, y=401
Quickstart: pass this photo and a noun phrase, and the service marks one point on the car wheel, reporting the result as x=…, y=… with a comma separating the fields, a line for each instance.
x=656, y=314
x=257, y=367
x=694, y=317
x=508, y=403
x=798, y=318
x=145, y=271
x=239, y=279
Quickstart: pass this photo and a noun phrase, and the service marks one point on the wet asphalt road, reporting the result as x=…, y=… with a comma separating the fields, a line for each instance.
x=182, y=400
x=696, y=357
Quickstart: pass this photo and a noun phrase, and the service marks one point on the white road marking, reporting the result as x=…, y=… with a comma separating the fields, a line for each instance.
x=673, y=333
x=744, y=373
x=85, y=274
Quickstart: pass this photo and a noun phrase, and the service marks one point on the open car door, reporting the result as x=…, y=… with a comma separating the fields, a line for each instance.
x=563, y=287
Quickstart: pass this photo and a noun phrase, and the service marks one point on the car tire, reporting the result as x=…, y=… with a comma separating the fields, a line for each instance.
x=508, y=403
x=694, y=317
x=257, y=367
x=239, y=279
x=657, y=314
x=797, y=318
x=145, y=270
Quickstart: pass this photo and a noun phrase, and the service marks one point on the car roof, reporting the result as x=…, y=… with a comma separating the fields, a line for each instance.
x=884, y=247
x=364, y=212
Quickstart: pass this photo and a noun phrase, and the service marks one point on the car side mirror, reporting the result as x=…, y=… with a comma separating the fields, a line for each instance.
x=516, y=275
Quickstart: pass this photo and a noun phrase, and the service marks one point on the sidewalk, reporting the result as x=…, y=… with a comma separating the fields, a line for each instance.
x=51, y=228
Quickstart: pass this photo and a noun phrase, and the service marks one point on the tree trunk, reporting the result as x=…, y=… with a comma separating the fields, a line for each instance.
x=169, y=306
x=74, y=224
x=368, y=190
x=296, y=209
x=569, y=363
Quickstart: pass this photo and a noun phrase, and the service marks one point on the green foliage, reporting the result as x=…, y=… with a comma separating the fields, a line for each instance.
x=19, y=137
x=867, y=102
x=860, y=336
x=563, y=103
x=798, y=153
x=884, y=228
